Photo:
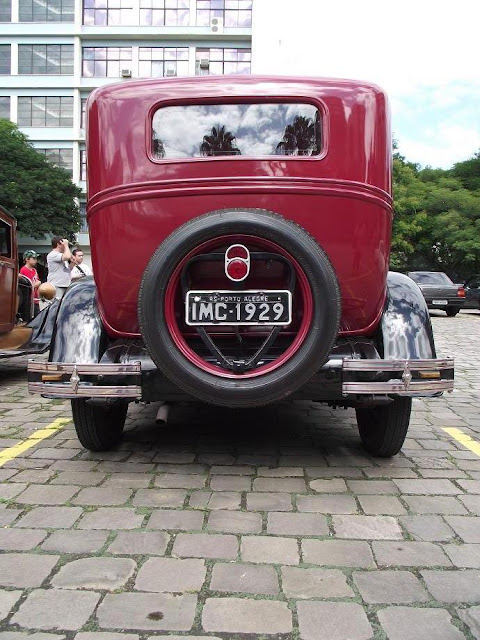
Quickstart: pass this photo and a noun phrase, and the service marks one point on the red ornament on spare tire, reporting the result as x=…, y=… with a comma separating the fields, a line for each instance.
x=206, y=364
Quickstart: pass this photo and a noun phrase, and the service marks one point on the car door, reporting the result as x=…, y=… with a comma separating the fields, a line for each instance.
x=472, y=292
x=8, y=274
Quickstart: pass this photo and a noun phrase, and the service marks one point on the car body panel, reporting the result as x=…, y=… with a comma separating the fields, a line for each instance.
x=78, y=309
x=406, y=327
x=148, y=198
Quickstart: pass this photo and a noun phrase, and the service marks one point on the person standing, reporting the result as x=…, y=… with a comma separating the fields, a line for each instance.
x=59, y=266
x=29, y=271
x=79, y=270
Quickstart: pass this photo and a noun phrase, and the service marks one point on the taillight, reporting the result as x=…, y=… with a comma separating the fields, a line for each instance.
x=461, y=292
x=237, y=270
x=237, y=262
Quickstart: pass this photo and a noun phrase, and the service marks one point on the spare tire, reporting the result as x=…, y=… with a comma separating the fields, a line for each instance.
x=296, y=352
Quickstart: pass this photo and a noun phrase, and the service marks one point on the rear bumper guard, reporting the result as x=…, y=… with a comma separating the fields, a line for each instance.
x=405, y=377
x=96, y=380
x=358, y=376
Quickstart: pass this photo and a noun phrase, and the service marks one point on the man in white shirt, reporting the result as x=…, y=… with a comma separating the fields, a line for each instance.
x=79, y=270
x=59, y=267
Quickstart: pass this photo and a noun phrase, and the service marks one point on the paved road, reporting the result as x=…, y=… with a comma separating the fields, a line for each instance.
x=267, y=524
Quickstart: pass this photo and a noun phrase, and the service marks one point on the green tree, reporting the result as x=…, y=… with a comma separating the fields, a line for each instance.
x=220, y=142
x=451, y=238
x=468, y=172
x=299, y=138
x=437, y=221
x=39, y=194
x=410, y=217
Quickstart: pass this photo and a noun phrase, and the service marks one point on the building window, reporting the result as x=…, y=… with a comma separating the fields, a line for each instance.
x=5, y=10
x=46, y=10
x=4, y=59
x=83, y=113
x=111, y=12
x=106, y=62
x=82, y=205
x=156, y=62
x=234, y=13
x=60, y=157
x=219, y=61
x=45, y=111
x=5, y=107
x=83, y=164
x=45, y=59
x=168, y=13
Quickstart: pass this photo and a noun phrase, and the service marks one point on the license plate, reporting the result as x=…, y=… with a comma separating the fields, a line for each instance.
x=238, y=308
x=439, y=301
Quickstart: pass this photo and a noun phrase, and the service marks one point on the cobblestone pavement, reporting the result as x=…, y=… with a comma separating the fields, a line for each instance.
x=263, y=524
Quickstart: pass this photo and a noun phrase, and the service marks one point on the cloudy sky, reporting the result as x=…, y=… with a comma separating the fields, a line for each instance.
x=425, y=53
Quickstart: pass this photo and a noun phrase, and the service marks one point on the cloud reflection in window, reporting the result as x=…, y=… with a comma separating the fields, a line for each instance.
x=263, y=129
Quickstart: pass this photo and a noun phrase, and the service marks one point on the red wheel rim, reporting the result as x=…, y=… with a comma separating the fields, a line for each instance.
x=302, y=287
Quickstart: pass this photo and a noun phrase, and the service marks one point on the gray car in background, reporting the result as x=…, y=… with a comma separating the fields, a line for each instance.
x=439, y=291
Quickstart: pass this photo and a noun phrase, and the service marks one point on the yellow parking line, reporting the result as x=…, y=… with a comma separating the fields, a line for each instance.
x=12, y=452
x=464, y=439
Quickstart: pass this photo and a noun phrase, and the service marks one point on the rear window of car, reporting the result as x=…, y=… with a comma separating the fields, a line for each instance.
x=430, y=277
x=239, y=129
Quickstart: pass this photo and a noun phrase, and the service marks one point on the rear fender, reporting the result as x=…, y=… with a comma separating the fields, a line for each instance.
x=405, y=328
x=79, y=336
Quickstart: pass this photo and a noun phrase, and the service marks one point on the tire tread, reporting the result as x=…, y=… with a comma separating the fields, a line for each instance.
x=97, y=429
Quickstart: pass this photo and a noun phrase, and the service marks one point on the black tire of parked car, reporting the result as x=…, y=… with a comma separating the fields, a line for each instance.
x=98, y=428
x=263, y=389
x=452, y=311
x=383, y=429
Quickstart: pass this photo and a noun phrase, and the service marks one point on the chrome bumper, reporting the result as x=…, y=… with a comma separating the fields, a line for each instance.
x=358, y=377
x=409, y=377
x=58, y=379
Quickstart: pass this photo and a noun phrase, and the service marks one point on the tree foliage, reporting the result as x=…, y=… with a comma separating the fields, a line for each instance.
x=299, y=138
x=437, y=217
x=468, y=172
x=220, y=142
x=39, y=194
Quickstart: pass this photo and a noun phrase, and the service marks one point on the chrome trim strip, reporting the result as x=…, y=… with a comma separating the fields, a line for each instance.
x=396, y=386
x=103, y=369
x=85, y=390
x=397, y=365
x=333, y=363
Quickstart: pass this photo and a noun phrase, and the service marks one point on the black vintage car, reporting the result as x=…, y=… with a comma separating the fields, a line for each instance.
x=439, y=291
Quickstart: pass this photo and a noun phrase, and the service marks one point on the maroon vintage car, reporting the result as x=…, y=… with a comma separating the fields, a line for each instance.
x=240, y=231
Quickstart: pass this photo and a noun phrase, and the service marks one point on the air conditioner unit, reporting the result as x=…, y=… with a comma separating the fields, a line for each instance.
x=204, y=63
x=170, y=72
x=216, y=25
x=126, y=73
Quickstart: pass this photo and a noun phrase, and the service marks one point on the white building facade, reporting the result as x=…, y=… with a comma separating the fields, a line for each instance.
x=53, y=53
